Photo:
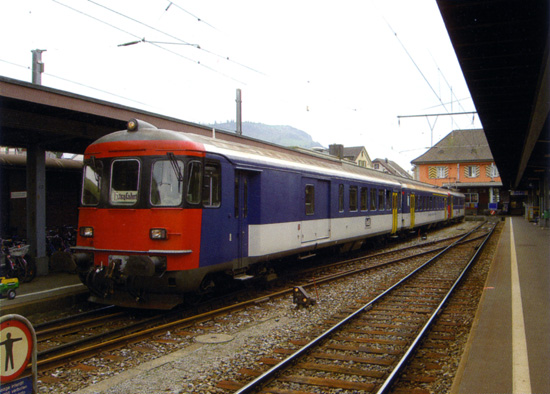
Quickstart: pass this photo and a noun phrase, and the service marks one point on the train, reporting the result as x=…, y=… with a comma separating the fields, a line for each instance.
x=165, y=214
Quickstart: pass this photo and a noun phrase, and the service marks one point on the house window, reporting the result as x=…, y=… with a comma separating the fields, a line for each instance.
x=362, y=163
x=491, y=171
x=439, y=172
x=471, y=171
x=471, y=198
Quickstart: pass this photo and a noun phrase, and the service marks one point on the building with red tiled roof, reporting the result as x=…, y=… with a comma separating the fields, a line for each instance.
x=463, y=160
x=390, y=167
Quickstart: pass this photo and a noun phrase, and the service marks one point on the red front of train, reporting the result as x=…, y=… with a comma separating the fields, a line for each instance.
x=139, y=228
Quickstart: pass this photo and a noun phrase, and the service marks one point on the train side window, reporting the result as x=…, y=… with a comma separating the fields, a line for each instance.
x=91, y=186
x=364, y=199
x=389, y=200
x=211, y=190
x=373, y=194
x=353, y=198
x=310, y=200
x=194, y=182
x=166, y=188
x=124, y=182
x=381, y=202
x=340, y=198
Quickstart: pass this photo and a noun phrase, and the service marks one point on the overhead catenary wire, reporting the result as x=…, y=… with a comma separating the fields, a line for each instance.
x=414, y=62
x=173, y=37
x=171, y=3
x=15, y=64
x=432, y=126
x=74, y=82
x=448, y=84
x=140, y=39
x=422, y=73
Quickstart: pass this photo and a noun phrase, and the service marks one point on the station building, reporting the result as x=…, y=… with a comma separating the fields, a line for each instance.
x=463, y=161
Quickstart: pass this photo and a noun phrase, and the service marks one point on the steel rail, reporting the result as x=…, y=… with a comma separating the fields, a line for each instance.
x=397, y=370
x=270, y=374
x=135, y=336
x=120, y=332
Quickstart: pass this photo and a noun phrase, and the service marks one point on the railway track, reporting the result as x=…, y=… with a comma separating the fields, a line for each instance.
x=80, y=340
x=366, y=350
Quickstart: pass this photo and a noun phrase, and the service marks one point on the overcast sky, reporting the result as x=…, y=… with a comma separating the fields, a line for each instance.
x=341, y=71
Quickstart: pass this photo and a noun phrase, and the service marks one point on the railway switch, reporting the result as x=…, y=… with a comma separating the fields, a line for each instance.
x=301, y=297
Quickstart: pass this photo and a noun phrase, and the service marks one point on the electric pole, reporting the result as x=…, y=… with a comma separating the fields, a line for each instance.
x=37, y=66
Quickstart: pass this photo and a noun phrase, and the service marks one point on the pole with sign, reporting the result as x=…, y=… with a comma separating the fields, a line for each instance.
x=17, y=346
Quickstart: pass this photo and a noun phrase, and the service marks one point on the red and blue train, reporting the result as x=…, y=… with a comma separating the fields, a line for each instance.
x=167, y=213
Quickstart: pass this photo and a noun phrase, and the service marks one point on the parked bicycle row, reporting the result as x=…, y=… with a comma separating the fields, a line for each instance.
x=16, y=262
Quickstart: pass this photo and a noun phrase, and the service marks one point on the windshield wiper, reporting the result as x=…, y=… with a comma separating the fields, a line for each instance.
x=176, y=168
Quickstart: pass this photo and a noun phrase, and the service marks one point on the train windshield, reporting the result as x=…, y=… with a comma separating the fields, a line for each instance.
x=91, y=185
x=124, y=182
x=167, y=183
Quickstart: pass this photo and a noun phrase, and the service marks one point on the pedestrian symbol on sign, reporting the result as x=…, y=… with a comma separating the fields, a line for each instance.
x=8, y=343
x=17, y=340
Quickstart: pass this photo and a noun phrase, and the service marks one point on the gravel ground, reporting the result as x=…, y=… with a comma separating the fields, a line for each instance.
x=179, y=363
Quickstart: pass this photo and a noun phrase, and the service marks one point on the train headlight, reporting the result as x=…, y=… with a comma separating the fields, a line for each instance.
x=87, y=232
x=157, y=233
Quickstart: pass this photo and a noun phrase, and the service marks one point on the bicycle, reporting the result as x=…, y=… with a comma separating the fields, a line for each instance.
x=58, y=248
x=16, y=262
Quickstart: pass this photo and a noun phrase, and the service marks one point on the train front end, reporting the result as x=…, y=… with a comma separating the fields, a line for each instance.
x=140, y=217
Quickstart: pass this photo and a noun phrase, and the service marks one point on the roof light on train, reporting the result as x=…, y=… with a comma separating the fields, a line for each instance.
x=136, y=125
x=132, y=125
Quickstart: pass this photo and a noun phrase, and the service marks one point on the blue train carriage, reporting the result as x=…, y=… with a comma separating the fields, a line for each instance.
x=200, y=210
x=285, y=203
x=428, y=206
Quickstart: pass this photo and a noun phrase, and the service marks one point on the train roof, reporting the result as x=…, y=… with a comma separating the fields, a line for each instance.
x=254, y=157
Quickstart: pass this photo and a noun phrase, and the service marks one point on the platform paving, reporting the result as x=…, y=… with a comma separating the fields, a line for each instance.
x=42, y=292
x=509, y=347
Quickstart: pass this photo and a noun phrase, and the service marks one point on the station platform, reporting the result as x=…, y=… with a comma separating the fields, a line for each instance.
x=43, y=293
x=509, y=345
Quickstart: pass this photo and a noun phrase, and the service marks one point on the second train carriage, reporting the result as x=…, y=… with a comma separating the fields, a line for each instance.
x=165, y=213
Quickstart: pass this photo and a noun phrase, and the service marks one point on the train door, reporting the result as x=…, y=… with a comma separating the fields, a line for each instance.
x=446, y=209
x=316, y=214
x=450, y=207
x=244, y=201
x=413, y=208
x=394, y=210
